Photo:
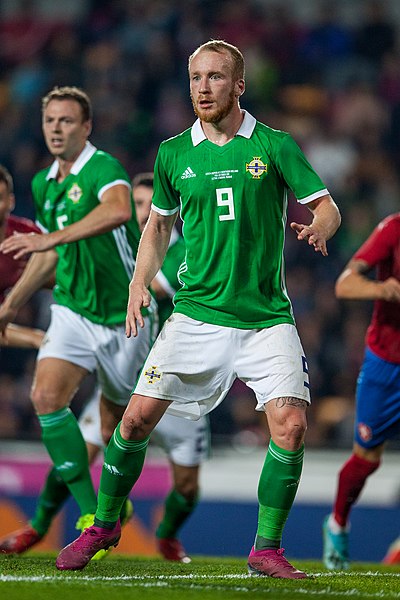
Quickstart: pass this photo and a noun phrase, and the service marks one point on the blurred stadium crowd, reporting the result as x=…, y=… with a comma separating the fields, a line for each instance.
x=332, y=82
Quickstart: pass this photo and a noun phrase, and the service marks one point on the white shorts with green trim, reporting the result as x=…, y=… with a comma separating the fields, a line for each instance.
x=194, y=364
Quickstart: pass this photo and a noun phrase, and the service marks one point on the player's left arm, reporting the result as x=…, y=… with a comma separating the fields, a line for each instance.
x=114, y=210
x=326, y=221
x=17, y=336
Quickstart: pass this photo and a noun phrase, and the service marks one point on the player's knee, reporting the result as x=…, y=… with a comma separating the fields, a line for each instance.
x=290, y=433
x=188, y=489
x=134, y=428
x=45, y=400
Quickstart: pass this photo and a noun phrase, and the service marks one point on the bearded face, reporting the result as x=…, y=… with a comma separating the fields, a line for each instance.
x=212, y=86
x=213, y=110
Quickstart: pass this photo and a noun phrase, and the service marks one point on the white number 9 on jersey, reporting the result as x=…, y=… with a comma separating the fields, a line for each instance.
x=225, y=198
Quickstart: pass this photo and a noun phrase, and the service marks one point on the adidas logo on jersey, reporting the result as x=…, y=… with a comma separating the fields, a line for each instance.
x=188, y=173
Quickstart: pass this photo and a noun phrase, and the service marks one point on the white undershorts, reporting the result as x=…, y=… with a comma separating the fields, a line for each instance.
x=194, y=364
x=186, y=443
x=94, y=347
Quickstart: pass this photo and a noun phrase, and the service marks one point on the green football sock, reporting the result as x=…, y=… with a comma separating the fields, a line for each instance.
x=123, y=463
x=177, y=510
x=64, y=442
x=279, y=480
x=52, y=497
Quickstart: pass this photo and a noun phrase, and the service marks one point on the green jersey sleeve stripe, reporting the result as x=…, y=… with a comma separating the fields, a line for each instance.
x=124, y=250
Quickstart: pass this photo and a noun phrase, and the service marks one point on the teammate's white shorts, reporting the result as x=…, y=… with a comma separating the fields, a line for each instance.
x=194, y=364
x=186, y=443
x=106, y=350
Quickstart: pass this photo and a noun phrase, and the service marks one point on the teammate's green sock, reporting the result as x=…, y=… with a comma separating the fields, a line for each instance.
x=52, y=497
x=177, y=510
x=277, y=489
x=123, y=463
x=64, y=442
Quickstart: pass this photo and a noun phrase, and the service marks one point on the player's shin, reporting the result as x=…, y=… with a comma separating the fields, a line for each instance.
x=123, y=463
x=277, y=489
x=64, y=442
x=51, y=498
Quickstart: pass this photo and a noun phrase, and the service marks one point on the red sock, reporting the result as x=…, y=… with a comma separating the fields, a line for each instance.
x=352, y=478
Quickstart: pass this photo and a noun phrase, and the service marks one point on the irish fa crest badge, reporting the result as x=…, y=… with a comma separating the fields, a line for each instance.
x=256, y=167
x=152, y=375
x=75, y=193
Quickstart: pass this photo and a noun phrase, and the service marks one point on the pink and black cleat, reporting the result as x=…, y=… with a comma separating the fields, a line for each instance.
x=272, y=563
x=78, y=553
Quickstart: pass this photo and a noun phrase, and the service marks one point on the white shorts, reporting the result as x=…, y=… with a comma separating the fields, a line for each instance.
x=186, y=443
x=194, y=364
x=106, y=350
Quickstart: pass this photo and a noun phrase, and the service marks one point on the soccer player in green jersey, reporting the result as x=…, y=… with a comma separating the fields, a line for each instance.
x=84, y=207
x=229, y=176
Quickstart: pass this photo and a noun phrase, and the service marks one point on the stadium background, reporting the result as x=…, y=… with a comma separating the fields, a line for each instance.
x=329, y=74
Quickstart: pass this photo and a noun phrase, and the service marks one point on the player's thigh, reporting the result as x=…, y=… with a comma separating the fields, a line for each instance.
x=272, y=363
x=120, y=360
x=186, y=442
x=55, y=384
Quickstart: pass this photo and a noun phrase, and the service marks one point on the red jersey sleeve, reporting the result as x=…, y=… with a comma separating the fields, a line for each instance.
x=380, y=244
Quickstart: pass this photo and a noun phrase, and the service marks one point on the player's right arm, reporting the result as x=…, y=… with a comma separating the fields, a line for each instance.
x=37, y=273
x=353, y=284
x=151, y=253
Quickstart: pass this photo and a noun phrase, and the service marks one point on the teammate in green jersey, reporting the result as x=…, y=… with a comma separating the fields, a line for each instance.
x=185, y=442
x=84, y=207
x=229, y=176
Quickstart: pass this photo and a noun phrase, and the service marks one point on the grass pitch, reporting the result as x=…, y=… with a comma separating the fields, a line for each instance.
x=34, y=577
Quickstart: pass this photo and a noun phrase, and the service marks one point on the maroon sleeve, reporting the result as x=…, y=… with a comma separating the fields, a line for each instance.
x=379, y=246
x=23, y=225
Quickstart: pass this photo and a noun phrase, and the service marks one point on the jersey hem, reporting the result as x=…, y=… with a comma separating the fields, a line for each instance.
x=229, y=322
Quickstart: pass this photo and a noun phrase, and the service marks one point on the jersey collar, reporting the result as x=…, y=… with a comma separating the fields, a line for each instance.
x=245, y=130
x=80, y=162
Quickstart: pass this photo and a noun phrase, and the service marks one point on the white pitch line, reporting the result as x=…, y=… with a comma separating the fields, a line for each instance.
x=161, y=581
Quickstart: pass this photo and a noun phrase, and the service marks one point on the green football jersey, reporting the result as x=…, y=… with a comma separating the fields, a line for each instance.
x=93, y=274
x=233, y=202
x=168, y=276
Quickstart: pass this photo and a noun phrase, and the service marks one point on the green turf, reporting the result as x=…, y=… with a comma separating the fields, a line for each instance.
x=34, y=577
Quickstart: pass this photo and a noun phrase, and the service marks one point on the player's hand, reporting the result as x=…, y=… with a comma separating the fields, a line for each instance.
x=312, y=236
x=22, y=244
x=389, y=290
x=139, y=297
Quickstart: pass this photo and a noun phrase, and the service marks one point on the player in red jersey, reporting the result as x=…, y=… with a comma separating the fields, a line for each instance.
x=10, y=269
x=378, y=386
